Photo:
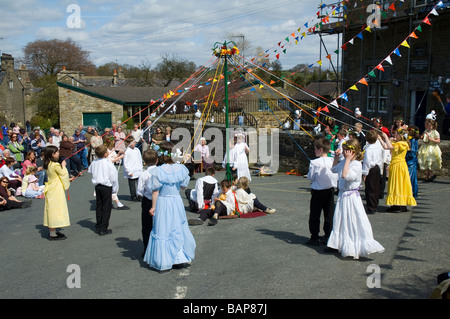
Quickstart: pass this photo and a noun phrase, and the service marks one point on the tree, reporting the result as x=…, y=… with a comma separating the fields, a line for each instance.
x=47, y=57
x=174, y=68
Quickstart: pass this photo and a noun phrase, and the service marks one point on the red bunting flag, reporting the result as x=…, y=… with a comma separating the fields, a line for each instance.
x=379, y=67
x=427, y=21
x=272, y=82
x=326, y=109
x=278, y=56
x=392, y=7
x=328, y=57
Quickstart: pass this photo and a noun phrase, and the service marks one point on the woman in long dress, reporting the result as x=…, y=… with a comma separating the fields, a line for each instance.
x=241, y=150
x=352, y=233
x=171, y=244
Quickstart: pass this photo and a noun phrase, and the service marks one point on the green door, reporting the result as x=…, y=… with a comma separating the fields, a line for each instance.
x=97, y=120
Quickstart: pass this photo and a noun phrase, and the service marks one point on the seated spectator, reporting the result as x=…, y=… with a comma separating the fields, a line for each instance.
x=30, y=160
x=204, y=151
x=11, y=200
x=38, y=144
x=15, y=180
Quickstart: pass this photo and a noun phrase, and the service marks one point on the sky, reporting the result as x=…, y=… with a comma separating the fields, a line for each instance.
x=133, y=32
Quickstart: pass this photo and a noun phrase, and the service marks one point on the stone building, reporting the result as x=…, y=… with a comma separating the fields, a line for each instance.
x=103, y=101
x=416, y=80
x=15, y=91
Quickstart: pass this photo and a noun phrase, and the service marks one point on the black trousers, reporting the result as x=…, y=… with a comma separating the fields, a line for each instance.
x=321, y=200
x=220, y=209
x=103, y=195
x=146, y=220
x=372, y=188
x=259, y=205
x=132, y=184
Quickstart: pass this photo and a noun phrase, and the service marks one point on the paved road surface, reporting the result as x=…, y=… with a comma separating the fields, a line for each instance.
x=258, y=258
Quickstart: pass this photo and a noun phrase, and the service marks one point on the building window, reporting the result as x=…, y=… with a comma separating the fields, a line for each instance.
x=383, y=98
x=422, y=2
x=372, y=98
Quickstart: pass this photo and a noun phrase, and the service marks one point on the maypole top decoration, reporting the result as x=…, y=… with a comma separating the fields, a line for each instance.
x=222, y=49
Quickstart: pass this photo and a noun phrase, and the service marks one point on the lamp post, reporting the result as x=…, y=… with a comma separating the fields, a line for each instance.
x=223, y=50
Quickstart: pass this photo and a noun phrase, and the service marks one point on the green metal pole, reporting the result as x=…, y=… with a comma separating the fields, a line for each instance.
x=227, y=134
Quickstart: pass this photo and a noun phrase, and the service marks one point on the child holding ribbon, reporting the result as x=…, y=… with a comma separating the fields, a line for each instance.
x=352, y=233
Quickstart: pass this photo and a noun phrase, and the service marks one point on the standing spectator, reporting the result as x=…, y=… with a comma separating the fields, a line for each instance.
x=88, y=135
x=56, y=213
x=171, y=244
x=146, y=139
x=429, y=154
x=168, y=134
x=137, y=133
x=80, y=142
x=96, y=141
x=411, y=158
x=119, y=137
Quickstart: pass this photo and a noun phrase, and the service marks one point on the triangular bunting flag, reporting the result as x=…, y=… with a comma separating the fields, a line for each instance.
x=360, y=35
x=388, y=60
x=325, y=109
x=392, y=7
x=354, y=88
x=397, y=51
x=319, y=62
x=328, y=57
x=434, y=12
x=405, y=44
x=372, y=74
x=278, y=56
x=427, y=21
x=413, y=35
x=335, y=104
x=344, y=96
x=363, y=81
x=379, y=67
x=272, y=82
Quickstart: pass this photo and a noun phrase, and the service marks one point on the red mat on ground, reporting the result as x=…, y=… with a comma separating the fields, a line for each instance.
x=248, y=215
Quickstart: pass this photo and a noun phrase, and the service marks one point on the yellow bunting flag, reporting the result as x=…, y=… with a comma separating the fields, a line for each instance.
x=405, y=44
x=354, y=88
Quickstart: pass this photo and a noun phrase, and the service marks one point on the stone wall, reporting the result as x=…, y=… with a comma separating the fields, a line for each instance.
x=296, y=148
x=73, y=104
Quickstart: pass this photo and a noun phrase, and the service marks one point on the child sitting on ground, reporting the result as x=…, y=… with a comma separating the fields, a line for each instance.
x=223, y=205
x=247, y=201
x=31, y=188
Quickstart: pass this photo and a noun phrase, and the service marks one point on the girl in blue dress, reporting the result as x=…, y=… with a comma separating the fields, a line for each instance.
x=171, y=244
x=411, y=157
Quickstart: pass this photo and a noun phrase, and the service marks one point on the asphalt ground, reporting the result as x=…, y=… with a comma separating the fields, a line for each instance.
x=263, y=258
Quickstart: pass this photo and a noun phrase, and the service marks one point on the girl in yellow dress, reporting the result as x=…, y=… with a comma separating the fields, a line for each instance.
x=399, y=188
x=429, y=154
x=56, y=213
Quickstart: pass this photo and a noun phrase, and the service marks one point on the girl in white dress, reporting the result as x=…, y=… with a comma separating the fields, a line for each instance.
x=241, y=150
x=352, y=233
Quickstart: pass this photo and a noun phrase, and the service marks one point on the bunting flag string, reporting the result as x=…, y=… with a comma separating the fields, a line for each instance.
x=388, y=59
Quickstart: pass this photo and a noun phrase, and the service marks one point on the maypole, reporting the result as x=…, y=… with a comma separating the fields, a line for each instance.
x=221, y=50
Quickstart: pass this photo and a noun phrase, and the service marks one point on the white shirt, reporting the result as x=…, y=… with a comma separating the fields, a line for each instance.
x=320, y=173
x=104, y=173
x=132, y=163
x=143, y=188
x=373, y=155
x=136, y=135
x=197, y=193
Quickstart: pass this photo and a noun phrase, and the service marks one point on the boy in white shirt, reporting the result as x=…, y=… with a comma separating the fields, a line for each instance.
x=105, y=179
x=372, y=170
x=132, y=166
x=206, y=189
x=150, y=158
x=323, y=184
